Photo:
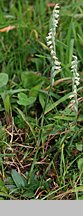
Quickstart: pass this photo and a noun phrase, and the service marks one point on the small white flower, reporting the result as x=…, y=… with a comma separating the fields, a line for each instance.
x=77, y=82
x=49, y=43
x=52, y=52
x=48, y=37
x=56, y=7
x=57, y=67
x=77, y=74
x=57, y=16
x=51, y=47
x=57, y=62
x=77, y=78
x=50, y=33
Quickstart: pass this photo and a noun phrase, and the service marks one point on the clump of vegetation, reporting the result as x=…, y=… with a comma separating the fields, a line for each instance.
x=41, y=150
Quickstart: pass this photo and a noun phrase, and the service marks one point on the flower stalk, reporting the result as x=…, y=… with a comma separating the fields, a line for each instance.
x=75, y=83
x=51, y=43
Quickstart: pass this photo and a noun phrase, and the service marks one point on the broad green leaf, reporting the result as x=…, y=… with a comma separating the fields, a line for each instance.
x=17, y=178
x=3, y=79
x=24, y=100
x=79, y=146
x=80, y=164
x=30, y=79
x=42, y=99
x=35, y=90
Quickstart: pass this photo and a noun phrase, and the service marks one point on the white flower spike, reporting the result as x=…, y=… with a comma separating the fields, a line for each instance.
x=75, y=83
x=51, y=43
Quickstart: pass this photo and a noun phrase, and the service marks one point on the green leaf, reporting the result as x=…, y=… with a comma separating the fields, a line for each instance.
x=24, y=100
x=17, y=178
x=29, y=194
x=79, y=146
x=35, y=90
x=42, y=99
x=80, y=164
x=71, y=50
x=7, y=104
x=2, y=186
x=1, y=160
x=30, y=79
x=3, y=79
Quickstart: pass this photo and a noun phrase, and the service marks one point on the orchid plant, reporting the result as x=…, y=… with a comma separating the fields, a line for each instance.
x=56, y=65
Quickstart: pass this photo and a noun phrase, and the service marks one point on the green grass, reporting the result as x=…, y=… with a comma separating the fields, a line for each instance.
x=41, y=142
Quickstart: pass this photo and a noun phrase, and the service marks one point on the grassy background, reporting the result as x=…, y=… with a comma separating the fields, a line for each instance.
x=41, y=142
